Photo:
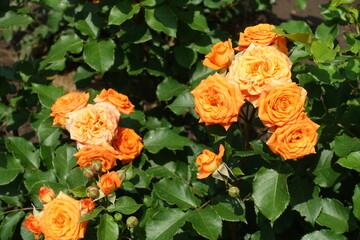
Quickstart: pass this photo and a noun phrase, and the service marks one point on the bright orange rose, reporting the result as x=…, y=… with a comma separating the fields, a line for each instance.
x=94, y=124
x=208, y=162
x=60, y=219
x=281, y=105
x=32, y=224
x=220, y=56
x=128, y=144
x=120, y=101
x=66, y=104
x=217, y=102
x=261, y=35
x=109, y=182
x=256, y=68
x=294, y=140
x=87, y=205
x=105, y=153
x=46, y=195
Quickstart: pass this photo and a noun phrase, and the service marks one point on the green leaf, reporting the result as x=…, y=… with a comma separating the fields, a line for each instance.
x=122, y=12
x=206, y=222
x=231, y=209
x=76, y=178
x=352, y=161
x=91, y=215
x=310, y=209
x=163, y=225
x=195, y=20
x=200, y=72
x=108, y=228
x=185, y=56
x=47, y=133
x=322, y=52
x=301, y=4
x=155, y=140
x=352, y=68
x=162, y=18
x=9, y=223
x=168, y=89
x=334, y=215
x=66, y=43
x=293, y=27
x=270, y=193
x=343, y=145
x=64, y=161
x=12, y=169
x=182, y=103
x=326, y=30
x=176, y=192
x=99, y=54
x=356, y=201
x=125, y=205
x=11, y=19
x=89, y=25
x=79, y=191
x=47, y=94
x=24, y=150
x=323, y=235
x=325, y=174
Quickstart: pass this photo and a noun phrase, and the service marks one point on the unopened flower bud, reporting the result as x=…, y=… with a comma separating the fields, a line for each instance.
x=46, y=195
x=96, y=165
x=234, y=192
x=92, y=192
x=148, y=201
x=118, y=217
x=132, y=222
x=121, y=174
x=88, y=172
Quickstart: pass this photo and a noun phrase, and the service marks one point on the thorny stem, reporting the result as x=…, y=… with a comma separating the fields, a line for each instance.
x=204, y=204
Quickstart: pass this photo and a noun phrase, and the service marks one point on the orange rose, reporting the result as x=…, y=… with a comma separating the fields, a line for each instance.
x=93, y=124
x=46, y=195
x=109, y=182
x=221, y=55
x=120, y=101
x=66, y=104
x=294, y=140
x=256, y=68
x=261, y=35
x=87, y=205
x=281, y=105
x=208, y=162
x=128, y=144
x=32, y=224
x=60, y=219
x=105, y=153
x=217, y=102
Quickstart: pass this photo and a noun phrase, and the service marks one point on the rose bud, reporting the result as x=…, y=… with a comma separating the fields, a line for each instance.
x=132, y=222
x=118, y=217
x=88, y=172
x=92, y=192
x=46, y=195
x=234, y=192
x=96, y=165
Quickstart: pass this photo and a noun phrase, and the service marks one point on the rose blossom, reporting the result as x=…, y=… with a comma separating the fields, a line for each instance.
x=208, y=162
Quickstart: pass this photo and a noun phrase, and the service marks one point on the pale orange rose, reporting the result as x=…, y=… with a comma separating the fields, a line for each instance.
x=60, y=219
x=256, y=68
x=32, y=224
x=294, y=140
x=208, y=162
x=281, y=105
x=109, y=182
x=217, y=102
x=87, y=205
x=66, y=104
x=93, y=124
x=46, y=195
x=220, y=56
x=120, y=101
x=105, y=153
x=128, y=144
x=261, y=35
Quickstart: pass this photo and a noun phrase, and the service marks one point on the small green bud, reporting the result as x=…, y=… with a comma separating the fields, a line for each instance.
x=96, y=165
x=234, y=192
x=148, y=201
x=92, y=192
x=132, y=222
x=88, y=172
x=118, y=217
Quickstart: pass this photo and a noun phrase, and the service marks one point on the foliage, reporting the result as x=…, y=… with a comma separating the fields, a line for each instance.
x=152, y=51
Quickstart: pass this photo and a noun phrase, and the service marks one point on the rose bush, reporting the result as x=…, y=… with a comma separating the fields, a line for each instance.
x=140, y=120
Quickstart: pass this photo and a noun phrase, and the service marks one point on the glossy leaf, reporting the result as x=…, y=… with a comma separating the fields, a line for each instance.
x=64, y=161
x=206, y=222
x=185, y=56
x=11, y=170
x=182, y=103
x=325, y=174
x=162, y=18
x=123, y=11
x=352, y=161
x=334, y=215
x=47, y=94
x=99, y=54
x=343, y=145
x=125, y=205
x=323, y=235
x=231, y=209
x=9, y=223
x=24, y=150
x=11, y=19
x=168, y=89
x=108, y=228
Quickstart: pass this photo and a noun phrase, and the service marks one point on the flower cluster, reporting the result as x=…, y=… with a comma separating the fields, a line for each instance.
x=259, y=73
x=60, y=217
